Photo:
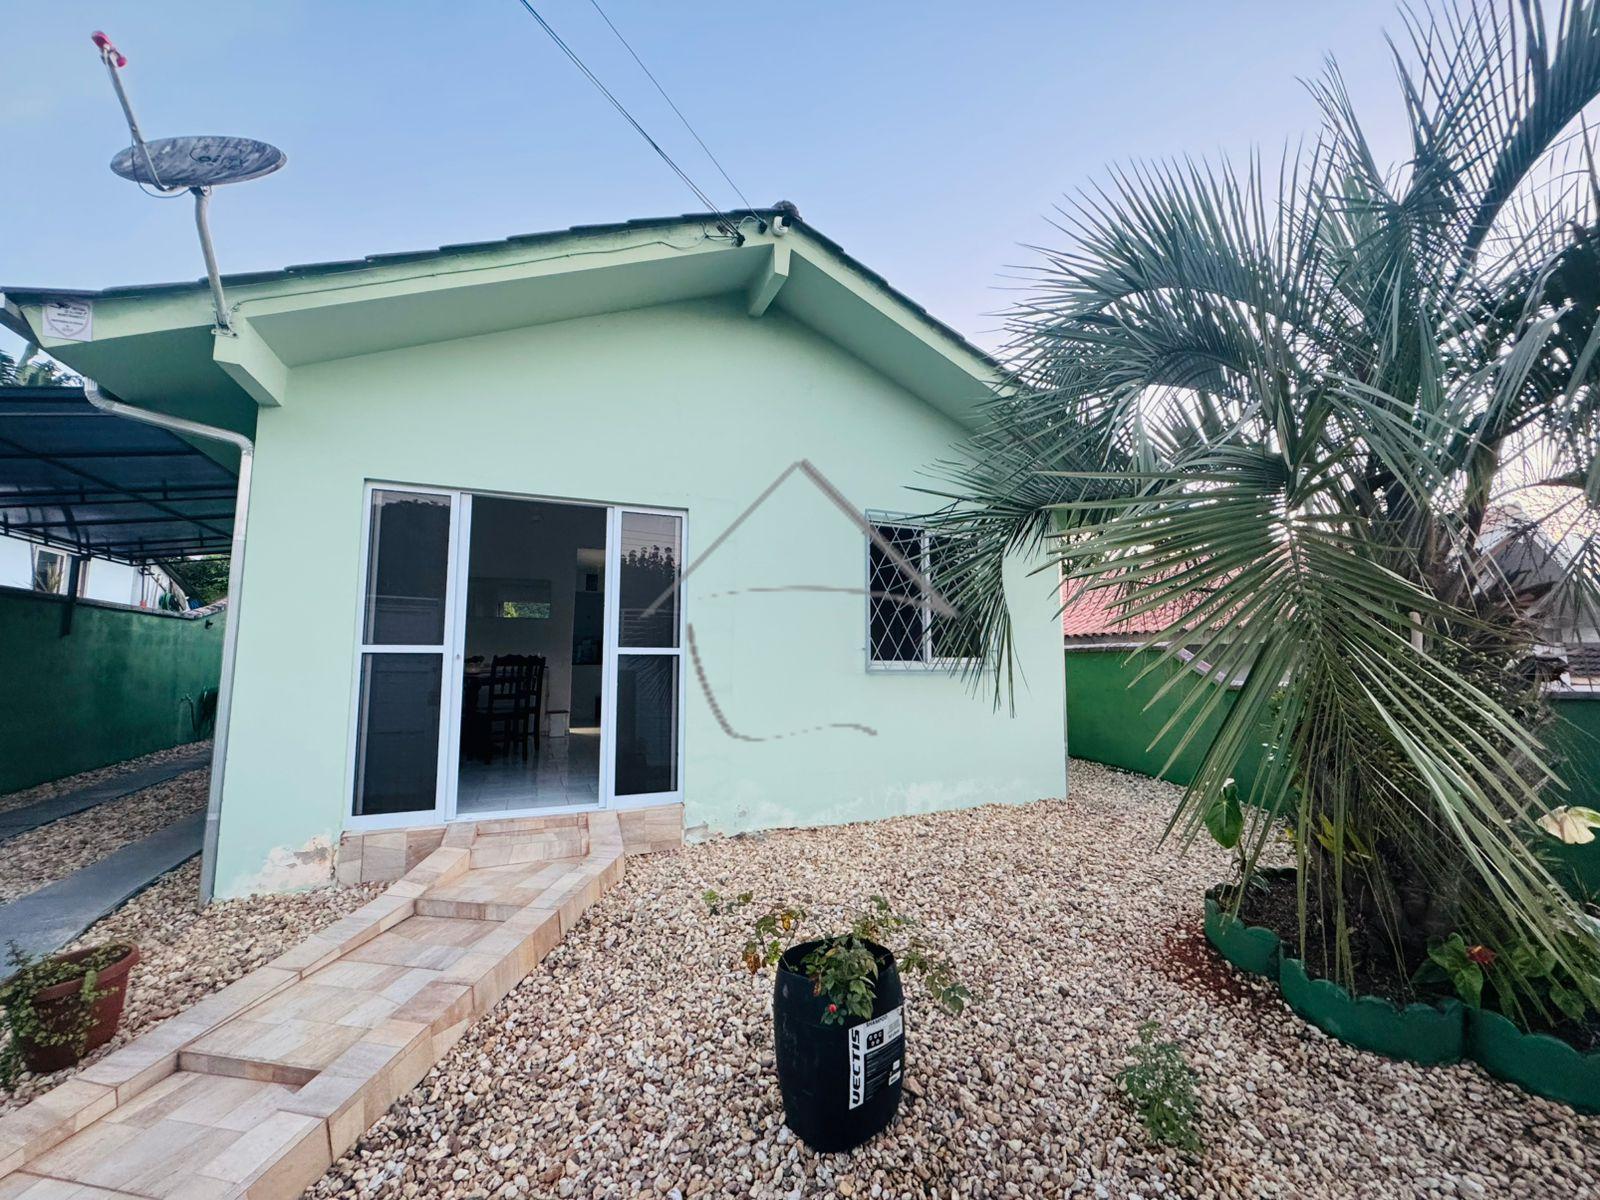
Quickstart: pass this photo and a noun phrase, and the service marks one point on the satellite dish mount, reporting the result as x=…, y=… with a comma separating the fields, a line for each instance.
x=169, y=167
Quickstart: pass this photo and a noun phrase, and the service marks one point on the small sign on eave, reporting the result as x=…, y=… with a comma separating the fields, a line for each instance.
x=69, y=320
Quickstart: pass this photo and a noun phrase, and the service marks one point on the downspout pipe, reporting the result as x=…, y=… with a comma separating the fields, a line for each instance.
x=230, y=629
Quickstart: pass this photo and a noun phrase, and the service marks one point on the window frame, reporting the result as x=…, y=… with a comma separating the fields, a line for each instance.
x=876, y=520
x=66, y=571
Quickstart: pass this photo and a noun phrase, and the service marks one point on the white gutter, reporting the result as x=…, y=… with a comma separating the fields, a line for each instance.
x=230, y=629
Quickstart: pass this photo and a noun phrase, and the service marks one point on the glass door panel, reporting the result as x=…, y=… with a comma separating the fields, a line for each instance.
x=408, y=568
x=647, y=724
x=397, y=733
x=647, y=641
x=652, y=550
x=409, y=593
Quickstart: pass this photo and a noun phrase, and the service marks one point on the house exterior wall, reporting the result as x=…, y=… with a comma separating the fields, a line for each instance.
x=693, y=406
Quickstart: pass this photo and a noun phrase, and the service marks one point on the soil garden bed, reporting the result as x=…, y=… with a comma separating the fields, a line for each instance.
x=1270, y=904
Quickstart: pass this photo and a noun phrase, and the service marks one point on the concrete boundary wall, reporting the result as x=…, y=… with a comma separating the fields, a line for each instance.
x=90, y=684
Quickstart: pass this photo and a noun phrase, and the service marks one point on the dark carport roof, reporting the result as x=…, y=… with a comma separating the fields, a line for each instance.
x=81, y=479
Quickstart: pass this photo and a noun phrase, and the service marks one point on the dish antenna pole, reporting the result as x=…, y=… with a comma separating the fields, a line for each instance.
x=170, y=166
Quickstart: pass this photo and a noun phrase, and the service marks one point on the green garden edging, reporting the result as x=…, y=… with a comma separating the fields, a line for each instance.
x=1537, y=1062
x=1419, y=1033
x=1430, y=1034
x=1253, y=949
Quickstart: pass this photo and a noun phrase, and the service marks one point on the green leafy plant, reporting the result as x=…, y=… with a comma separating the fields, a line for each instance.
x=1160, y=1085
x=844, y=967
x=1572, y=825
x=1462, y=965
x=1224, y=816
x=1277, y=409
x=31, y=976
x=1521, y=974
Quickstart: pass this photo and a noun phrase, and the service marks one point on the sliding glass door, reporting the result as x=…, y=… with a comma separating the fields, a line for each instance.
x=410, y=687
x=406, y=633
x=647, y=675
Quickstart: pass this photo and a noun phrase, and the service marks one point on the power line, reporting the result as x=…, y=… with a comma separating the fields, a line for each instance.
x=627, y=116
x=651, y=76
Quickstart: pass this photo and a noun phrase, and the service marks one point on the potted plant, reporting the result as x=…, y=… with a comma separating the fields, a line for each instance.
x=62, y=1006
x=838, y=1017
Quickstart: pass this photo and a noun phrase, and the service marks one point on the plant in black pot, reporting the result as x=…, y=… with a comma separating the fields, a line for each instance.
x=838, y=1015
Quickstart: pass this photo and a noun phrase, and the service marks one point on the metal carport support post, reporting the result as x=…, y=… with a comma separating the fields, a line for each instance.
x=230, y=631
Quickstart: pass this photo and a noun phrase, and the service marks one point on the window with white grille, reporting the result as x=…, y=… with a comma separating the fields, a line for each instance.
x=905, y=630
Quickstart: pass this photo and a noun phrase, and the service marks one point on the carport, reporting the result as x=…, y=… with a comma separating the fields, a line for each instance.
x=84, y=480
x=87, y=474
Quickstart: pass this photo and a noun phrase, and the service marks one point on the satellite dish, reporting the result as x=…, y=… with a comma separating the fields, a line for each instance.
x=189, y=162
x=176, y=165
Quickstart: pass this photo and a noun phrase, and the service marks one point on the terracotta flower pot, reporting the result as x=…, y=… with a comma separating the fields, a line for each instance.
x=59, y=1009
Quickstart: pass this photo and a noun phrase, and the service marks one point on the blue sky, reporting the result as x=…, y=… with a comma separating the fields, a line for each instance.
x=931, y=140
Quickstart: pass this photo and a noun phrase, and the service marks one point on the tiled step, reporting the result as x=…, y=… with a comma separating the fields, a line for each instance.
x=495, y=893
x=255, y=1090
x=190, y=1137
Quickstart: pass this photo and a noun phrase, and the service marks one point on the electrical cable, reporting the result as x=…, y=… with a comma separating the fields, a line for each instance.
x=650, y=75
x=704, y=199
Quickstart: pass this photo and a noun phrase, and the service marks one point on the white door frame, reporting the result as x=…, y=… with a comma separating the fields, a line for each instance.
x=453, y=651
x=614, y=650
x=445, y=764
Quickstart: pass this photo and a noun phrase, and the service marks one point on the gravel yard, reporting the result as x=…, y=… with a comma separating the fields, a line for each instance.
x=56, y=850
x=188, y=953
x=638, y=1058
x=55, y=787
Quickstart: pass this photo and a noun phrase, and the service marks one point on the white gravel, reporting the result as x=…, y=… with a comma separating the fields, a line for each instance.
x=638, y=1059
x=188, y=952
x=54, y=851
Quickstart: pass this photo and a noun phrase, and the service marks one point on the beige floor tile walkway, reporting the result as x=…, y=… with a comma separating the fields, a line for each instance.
x=254, y=1091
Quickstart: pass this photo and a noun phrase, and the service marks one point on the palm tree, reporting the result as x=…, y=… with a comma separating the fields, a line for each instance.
x=32, y=372
x=1282, y=398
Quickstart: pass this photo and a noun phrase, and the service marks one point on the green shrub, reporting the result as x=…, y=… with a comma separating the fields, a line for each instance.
x=1160, y=1086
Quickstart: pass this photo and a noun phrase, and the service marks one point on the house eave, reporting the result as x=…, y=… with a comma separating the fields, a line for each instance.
x=329, y=311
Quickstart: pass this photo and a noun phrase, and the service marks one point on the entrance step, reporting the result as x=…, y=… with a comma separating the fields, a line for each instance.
x=495, y=893
x=254, y=1091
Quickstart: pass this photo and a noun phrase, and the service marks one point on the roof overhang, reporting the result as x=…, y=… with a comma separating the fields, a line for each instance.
x=75, y=477
x=154, y=345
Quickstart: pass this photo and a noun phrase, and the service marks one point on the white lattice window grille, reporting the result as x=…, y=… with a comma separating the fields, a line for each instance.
x=904, y=630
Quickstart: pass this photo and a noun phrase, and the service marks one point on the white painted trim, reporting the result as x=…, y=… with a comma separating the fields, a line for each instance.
x=927, y=664
x=455, y=657
x=453, y=649
x=434, y=815
x=615, y=650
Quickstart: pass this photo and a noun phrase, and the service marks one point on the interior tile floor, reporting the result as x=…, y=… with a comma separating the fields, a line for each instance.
x=562, y=771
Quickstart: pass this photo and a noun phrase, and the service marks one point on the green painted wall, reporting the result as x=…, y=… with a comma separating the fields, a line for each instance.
x=694, y=406
x=1576, y=738
x=1111, y=722
x=110, y=690
x=1108, y=722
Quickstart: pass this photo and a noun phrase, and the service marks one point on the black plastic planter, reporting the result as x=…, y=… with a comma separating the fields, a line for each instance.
x=840, y=1083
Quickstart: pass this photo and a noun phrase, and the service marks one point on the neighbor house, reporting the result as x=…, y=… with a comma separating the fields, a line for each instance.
x=43, y=568
x=620, y=516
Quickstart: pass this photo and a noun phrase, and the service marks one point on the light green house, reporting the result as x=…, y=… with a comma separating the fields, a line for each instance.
x=526, y=533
